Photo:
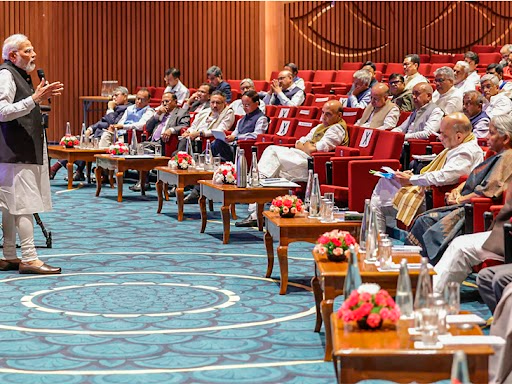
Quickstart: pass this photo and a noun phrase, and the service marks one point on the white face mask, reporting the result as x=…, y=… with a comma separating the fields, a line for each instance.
x=27, y=67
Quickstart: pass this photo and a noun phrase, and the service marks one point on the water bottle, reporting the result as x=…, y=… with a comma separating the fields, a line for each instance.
x=241, y=169
x=82, y=137
x=404, y=291
x=115, y=136
x=254, y=173
x=314, y=204
x=460, y=373
x=364, y=225
x=309, y=187
x=208, y=157
x=68, y=129
x=353, y=278
x=188, y=146
x=372, y=237
x=423, y=289
x=133, y=144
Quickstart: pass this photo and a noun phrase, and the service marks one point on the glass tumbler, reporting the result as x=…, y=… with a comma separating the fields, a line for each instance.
x=452, y=297
x=201, y=162
x=429, y=326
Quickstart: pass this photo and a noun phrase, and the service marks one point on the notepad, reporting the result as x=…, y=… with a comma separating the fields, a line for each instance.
x=471, y=340
x=278, y=182
x=469, y=318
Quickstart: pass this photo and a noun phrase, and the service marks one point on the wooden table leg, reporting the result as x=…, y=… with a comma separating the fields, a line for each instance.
x=160, y=195
x=202, y=207
x=88, y=166
x=210, y=205
x=119, y=178
x=166, y=191
x=224, y=210
x=233, y=212
x=70, y=174
x=318, y=294
x=259, y=215
x=111, y=178
x=282, y=256
x=327, y=307
x=269, y=245
x=99, y=174
x=180, y=197
x=142, y=180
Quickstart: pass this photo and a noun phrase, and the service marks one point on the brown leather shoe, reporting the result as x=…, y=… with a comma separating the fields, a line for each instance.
x=44, y=269
x=8, y=265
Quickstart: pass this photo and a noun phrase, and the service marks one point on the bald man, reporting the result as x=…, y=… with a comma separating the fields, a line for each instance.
x=426, y=118
x=462, y=153
x=381, y=113
x=292, y=163
x=283, y=91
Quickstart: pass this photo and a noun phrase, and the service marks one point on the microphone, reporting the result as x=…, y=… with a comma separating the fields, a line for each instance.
x=40, y=74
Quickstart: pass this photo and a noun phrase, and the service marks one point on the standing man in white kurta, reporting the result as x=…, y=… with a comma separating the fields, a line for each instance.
x=24, y=178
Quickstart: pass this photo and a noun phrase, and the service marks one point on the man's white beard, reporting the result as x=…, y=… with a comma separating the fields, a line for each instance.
x=29, y=67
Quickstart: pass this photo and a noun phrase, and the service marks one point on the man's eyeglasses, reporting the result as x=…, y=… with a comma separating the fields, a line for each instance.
x=396, y=82
x=439, y=80
x=166, y=101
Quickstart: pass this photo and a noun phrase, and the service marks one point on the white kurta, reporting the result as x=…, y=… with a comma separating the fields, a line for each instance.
x=24, y=188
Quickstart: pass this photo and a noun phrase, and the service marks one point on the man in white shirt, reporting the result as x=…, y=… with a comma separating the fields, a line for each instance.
x=283, y=91
x=381, y=113
x=359, y=95
x=294, y=69
x=174, y=85
x=497, y=70
x=446, y=96
x=426, y=118
x=472, y=59
x=200, y=99
x=246, y=85
x=496, y=103
x=461, y=72
x=461, y=158
x=472, y=104
x=412, y=76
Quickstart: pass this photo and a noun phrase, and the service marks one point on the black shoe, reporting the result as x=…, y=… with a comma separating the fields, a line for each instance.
x=192, y=197
x=78, y=176
x=172, y=191
x=247, y=222
x=135, y=187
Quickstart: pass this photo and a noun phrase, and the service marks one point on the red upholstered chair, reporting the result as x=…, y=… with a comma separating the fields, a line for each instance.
x=393, y=68
x=306, y=74
x=270, y=110
x=488, y=58
x=274, y=75
x=351, y=115
x=441, y=58
x=324, y=76
x=308, y=100
x=320, y=100
x=308, y=112
x=424, y=58
x=381, y=67
x=483, y=49
x=343, y=78
x=159, y=91
x=458, y=57
x=235, y=94
x=261, y=85
x=378, y=75
x=283, y=127
x=424, y=69
x=234, y=84
x=351, y=66
x=284, y=111
x=403, y=117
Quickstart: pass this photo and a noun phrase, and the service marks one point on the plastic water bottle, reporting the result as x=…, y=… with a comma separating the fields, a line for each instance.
x=208, y=157
x=68, y=129
x=372, y=237
x=460, y=373
x=241, y=169
x=364, y=225
x=314, y=204
x=133, y=144
x=254, y=173
x=309, y=188
x=404, y=291
x=353, y=278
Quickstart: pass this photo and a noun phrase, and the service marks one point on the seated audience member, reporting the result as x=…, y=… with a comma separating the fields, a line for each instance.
x=496, y=103
x=492, y=281
x=135, y=116
x=168, y=120
x=426, y=118
x=400, y=96
x=472, y=104
x=507, y=67
x=412, y=76
x=246, y=85
x=372, y=68
x=214, y=75
x=403, y=196
x=294, y=69
x=467, y=251
x=472, y=59
x=292, y=163
x=504, y=52
x=115, y=110
x=436, y=228
x=381, y=113
x=461, y=72
x=359, y=95
x=284, y=92
x=175, y=86
x=253, y=123
x=446, y=96
x=497, y=70
x=200, y=99
x=219, y=117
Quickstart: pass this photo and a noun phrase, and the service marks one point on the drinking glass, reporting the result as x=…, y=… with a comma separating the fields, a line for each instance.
x=158, y=150
x=196, y=160
x=201, y=162
x=436, y=301
x=452, y=297
x=429, y=326
x=329, y=196
x=96, y=143
x=216, y=163
x=140, y=149
x=328, y=212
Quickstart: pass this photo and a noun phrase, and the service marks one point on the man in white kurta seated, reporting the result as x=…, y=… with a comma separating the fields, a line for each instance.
x=246, y=85
x=381, y=113
x=292, y=163
x=472, y=104
x=461, y=72
x=461, y=155
x=283, y=91
x=496, y=103
x=412, y=76
x=472, y=59
x=359, y=94
x=446, y=96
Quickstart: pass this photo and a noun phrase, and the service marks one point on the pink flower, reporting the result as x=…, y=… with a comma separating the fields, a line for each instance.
x=293, y=210
x=287, y=203
x=365, y=296
x=277, y=203
x=347, y=316
x=363, y=310
x=323, y=239
x=352, y=300
x=285, y=210
x=336, y=242
x=373, y=320
x=337, y=251
x=380, y=299
x=349, y=239
x=385, y=313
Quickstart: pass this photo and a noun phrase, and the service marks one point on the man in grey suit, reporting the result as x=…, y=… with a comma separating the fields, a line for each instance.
x=168, y=119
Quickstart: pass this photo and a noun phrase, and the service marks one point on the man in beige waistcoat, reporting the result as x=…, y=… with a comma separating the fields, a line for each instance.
x=381, y=113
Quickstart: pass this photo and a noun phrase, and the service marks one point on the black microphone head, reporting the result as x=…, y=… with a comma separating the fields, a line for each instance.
x=40, y=74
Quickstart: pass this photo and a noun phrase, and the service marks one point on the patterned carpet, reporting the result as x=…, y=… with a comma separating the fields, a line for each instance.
x=146, y=299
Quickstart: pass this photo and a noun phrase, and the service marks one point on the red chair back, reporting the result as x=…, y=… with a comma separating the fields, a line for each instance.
x=488, y=58
x=304, y=126
x=394, y=68
x=424, y=58
x=274, y=75
x=306, y=74
x=234, y=84
x=320, y=100
x=261, y=85
x=352, y=66
x=284, y=111
x=440, y=58
x=270, y=110
x=403, y=117
x=424, y=69
x=344, y=76
x=366, y=141
x=381, y=67
x=285, y=127
x=308, y=113
x=389, y=145
x=479, y=49
x=351, y=115
x=159, y=91
x=324, y=76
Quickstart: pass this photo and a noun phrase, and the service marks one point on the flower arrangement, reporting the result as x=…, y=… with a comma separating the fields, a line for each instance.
x=118, y=148
x=181, y=160
x=69, y=141
x=287, y=205
x=369, y=306
x=335, y=245
x=225, y=174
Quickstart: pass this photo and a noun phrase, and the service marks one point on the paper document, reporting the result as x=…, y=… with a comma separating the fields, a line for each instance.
x=470, y=318
x=387, y=174
x=219, y=135
x=278, y=182
x=406, y=249
x=471, y=340
x=424, y=157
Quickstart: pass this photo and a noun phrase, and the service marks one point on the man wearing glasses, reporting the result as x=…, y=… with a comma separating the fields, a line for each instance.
x=412, y=76
x=200, y=99
x=446, y=96
x=283, y=91
x=400, y=96
x=168, y=119
x=246, y=85
x=496, y=103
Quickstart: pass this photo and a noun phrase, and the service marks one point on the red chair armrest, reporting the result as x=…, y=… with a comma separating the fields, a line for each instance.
x=480, y=206
x=319, y=160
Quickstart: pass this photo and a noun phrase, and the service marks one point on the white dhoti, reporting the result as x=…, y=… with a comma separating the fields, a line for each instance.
x=382, y=201
x=290, y=163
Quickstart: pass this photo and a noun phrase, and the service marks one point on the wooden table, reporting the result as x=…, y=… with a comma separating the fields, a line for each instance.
x=389, y=354
x=298, y=228
x=141, y=164
x=229, y=194
x=72, y=155
x=181, y=178
x=88, y=100
x=332, y=275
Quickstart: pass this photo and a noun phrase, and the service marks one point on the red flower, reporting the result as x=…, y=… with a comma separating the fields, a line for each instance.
x=353, y=299
x=373, y=320
x=349, y=239
x=278, y=203
x=336, y=242
x=287, y=203
x=323, y=239
x=363, y=311
x=366, y=297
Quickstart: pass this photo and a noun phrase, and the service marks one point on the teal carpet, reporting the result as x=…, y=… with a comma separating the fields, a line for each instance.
x=146, y=299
